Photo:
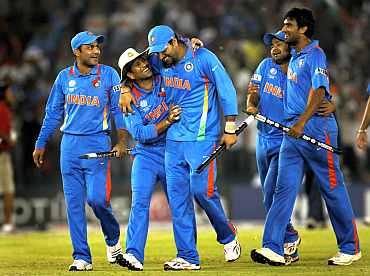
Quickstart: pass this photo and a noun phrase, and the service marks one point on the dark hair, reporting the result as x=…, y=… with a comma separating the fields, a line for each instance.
x=304, y=18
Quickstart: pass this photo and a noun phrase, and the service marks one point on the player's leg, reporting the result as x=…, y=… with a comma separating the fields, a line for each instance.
x=204, y=188
x=182, y=208
x=327, y=171
x=267, y=155
x=97, y=175
x=74, y=192
x=290, y=175
x=143, y=180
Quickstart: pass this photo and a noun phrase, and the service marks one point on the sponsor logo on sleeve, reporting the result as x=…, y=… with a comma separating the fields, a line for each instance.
x=116, y=88
x=321, y=71
x=256, y=77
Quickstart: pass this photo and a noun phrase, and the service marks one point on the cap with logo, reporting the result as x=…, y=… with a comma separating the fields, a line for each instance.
x=267, y=38
x=158, y=38
x=126, y=57
x=85, y=37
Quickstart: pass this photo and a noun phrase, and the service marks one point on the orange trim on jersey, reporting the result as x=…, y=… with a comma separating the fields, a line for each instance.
x=331, y=169
x=211, y=178
x=108, y=185
x=232, y=227
x=355, y=236
x=136, y=92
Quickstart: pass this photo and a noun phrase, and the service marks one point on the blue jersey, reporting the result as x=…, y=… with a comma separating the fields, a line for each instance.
x=272, y=81
x=307, y=70
x=368, y=88
x=152, y=108
x=83, y=101
x=200, y=85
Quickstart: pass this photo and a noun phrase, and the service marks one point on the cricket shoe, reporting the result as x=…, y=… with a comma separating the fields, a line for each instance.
x=291, y=247
x=232, y=250
x=289, y=259
x=344, y=259
x=131, y=262
x=80, y=265
x=180, y=264
x=267, y=256
x=114, y=253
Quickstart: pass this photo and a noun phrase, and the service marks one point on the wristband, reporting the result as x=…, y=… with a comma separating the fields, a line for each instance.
x=230, y=128
x=362, y=131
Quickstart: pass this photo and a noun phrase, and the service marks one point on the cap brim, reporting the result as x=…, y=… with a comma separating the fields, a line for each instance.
x=157, y=48
x=267, y=38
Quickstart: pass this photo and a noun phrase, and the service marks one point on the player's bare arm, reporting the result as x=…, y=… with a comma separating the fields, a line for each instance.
x=38, y=157
x=314, y=100
x=361, y=139
x=326, y=108
x=126, y=99
x=251, y=106
x=121, y=146
x=229, y=137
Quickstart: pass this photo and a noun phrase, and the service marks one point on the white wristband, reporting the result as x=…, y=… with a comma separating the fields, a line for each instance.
x=230, y=127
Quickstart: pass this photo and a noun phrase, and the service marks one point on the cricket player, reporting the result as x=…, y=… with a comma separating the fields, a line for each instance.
x=361, y=138
x=199, y=84
x=83, y=98
x=147, y=125
x=307, y=86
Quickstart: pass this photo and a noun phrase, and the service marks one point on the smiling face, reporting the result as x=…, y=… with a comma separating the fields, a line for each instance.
x=170, y=55
x=292, y=32
x=88, y=54
x=279, y=51
x=140, y=69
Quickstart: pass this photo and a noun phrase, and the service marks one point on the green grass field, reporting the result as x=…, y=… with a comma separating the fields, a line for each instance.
x=49, y=254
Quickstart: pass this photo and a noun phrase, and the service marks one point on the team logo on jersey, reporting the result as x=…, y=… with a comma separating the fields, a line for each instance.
x=273, y=71
x=300, y=62
x=72, y=83
x=96, y=83
x=188, y=66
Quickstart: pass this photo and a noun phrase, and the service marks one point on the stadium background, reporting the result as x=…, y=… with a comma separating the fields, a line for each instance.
x=35, y=44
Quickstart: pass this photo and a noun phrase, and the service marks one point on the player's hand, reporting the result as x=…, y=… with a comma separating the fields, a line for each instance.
x=296, y=130
x=125, y=100
x=326, y=108
x=38, y=157
x=174, y=113
x=121, y=150
x=196, y=43
x=229, y=140
x=361, y=140
x=253, y=88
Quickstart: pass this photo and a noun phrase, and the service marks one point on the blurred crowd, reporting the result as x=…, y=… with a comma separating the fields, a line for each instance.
x=35, y=44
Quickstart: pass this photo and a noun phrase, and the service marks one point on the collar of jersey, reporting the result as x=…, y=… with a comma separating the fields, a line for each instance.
x=308, y=48
x=144, y=92
x=93, y=71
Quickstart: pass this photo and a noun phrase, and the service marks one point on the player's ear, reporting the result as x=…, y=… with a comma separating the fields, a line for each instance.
x=303, y=29
x=130, y=75
x=77, y=52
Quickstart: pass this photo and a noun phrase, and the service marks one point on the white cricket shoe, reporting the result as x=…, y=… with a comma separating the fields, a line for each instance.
x=232, y=250
x=8, y=228
x=80, y=265
x=344, y=259
x=180, y=264
x=131, y=262
x=290, y=248
x=114, y=253
x=267, y=256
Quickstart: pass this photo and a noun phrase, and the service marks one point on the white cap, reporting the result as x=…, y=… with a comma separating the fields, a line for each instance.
x=126, y=57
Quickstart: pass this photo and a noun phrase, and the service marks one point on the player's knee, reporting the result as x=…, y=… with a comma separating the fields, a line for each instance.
x=97, y=203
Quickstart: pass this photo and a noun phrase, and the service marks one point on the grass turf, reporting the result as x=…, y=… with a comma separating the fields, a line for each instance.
x=48, y=253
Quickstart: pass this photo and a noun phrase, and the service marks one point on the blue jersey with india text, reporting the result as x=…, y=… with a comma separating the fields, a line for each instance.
x=307, y=71
x=272, y=82
x=151, y=109
x=83, y=103
x=200, y=85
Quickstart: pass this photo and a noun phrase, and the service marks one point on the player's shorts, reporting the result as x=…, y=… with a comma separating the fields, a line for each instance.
x=6, y=173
